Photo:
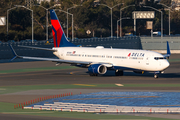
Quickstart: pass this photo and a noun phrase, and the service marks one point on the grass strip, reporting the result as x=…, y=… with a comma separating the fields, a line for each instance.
x=8, y=108
x=36, y=69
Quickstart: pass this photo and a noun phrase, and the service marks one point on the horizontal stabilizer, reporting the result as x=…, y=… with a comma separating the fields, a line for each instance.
x=38, y=48
x=14, y=53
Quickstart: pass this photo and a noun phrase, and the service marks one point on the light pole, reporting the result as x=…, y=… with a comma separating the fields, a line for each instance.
x=120, y=22
x=120, y=17
x=169, y=8
x=8, y=20
x=46, y=18
x=161, y=19
x=16, y=6
x=72, y=22
x=111, y=16
x=67, y=16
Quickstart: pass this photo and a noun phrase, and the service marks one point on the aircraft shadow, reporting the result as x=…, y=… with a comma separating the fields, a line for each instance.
x=126, y=73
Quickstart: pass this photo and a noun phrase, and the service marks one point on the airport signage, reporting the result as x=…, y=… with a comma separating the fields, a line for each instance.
x=88, y=32
x=143, y=15
x=149, y=25
x=2, y=21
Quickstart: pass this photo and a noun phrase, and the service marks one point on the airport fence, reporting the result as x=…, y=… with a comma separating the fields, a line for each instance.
x=156, y=43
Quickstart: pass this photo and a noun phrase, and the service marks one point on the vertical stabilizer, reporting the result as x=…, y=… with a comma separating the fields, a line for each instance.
x=59, y=37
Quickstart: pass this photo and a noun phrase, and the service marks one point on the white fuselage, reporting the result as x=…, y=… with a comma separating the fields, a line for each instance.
x=127, y=58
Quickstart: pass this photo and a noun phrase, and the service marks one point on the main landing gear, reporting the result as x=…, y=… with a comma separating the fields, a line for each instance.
x=119, y=72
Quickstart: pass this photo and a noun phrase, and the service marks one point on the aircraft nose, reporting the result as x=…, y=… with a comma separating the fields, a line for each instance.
x=166, y=64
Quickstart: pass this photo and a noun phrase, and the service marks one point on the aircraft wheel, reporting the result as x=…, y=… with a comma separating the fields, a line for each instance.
x=156, y=75
x=119, y=72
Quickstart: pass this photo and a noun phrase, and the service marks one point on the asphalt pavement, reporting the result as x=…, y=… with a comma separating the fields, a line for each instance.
x=80, y=76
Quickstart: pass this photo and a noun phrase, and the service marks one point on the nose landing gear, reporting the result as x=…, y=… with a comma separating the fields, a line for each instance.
x=156, y=74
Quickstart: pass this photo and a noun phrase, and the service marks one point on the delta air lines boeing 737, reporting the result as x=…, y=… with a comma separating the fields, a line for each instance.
x=98, y=60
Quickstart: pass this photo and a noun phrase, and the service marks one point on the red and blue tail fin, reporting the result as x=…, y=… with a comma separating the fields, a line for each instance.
x=59, y=37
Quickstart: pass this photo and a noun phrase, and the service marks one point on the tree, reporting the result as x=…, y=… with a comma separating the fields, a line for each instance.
x=166, y=2
x=89, y=16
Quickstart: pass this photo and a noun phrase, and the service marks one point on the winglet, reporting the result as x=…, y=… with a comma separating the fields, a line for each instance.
x=14, y=53
x=168, y=51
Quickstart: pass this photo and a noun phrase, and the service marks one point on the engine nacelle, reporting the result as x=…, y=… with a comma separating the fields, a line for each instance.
x=97, y=69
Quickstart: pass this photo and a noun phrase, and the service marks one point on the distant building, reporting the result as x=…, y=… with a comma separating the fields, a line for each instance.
x=176, y=3
x=96, y=2
x=39, y=1
x=177, y=7
x=144, y=1
x=29, y=3
x=157, y=0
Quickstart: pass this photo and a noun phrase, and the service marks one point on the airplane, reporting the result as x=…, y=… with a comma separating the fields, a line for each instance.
x=99, y=60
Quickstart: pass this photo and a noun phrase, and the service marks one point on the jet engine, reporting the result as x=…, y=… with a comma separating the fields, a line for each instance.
x=97, y=69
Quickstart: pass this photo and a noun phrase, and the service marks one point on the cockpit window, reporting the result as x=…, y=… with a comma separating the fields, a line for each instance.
x=157, y=58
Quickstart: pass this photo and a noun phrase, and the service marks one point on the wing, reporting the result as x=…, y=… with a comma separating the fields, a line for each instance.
x=45, y=59
x=37, y=48
x=54, y=59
